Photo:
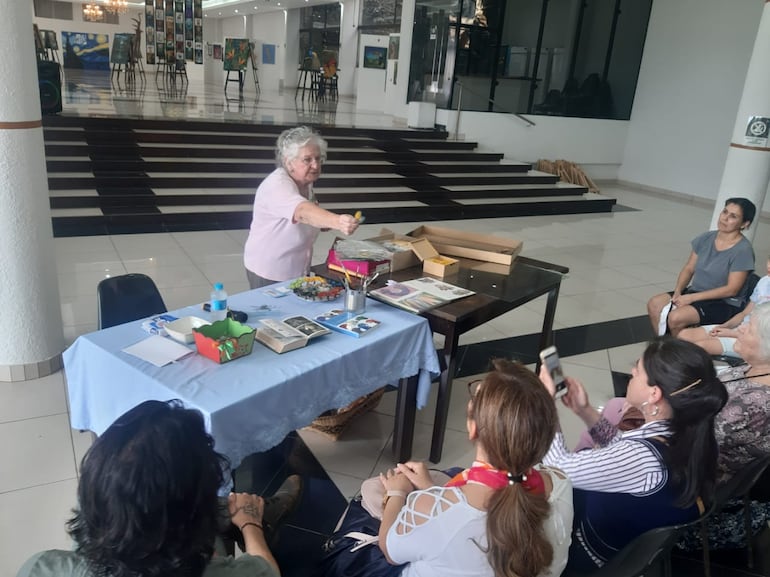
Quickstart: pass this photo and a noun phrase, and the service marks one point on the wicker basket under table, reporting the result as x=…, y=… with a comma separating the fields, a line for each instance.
x=333, y=423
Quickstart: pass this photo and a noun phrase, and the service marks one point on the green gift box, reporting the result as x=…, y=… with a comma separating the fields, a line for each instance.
x=224, y=340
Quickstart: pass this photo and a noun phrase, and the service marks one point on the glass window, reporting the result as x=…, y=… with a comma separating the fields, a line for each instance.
x=319, y=32
x=555, y=57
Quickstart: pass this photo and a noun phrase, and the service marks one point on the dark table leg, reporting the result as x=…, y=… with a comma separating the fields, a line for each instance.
x=403, y=429
x=546, y=336
x=444, y=396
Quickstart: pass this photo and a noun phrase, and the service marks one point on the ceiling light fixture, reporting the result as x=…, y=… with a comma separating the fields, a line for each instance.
x=116, y=6
x=92, y=13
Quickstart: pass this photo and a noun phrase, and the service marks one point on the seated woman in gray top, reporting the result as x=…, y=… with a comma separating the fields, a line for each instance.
x=148, y=505
x=711, y=287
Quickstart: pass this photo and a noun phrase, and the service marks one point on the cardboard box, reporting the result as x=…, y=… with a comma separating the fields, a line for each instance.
x=432, y=262
x=400, y=259
x=471, y=245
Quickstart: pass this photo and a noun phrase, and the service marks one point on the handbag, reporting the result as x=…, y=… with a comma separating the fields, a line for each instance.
x=353, y=549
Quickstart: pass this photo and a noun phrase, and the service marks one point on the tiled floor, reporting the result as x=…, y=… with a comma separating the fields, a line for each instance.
x=617, y=261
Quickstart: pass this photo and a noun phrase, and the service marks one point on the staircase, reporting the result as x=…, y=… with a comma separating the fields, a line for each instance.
x=120, y=176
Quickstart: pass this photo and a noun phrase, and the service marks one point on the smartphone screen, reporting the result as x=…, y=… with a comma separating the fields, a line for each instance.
x=552, y=364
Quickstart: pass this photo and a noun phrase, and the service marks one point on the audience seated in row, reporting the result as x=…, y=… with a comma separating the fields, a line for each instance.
x=742, y=428
x=148, y=505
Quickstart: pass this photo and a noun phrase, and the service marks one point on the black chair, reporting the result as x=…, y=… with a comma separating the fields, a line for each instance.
x=649, y=555
x=126, y=298
x=738, y=487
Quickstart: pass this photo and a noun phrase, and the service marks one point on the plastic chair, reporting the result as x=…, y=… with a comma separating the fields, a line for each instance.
x=126, y=298
x=649, y=555
x=738, y=487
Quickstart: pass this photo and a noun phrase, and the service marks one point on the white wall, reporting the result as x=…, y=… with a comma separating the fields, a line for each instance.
x=270, y=28
x=348, y=69
x=597, y=145
x=370, y=82
x=693, y=69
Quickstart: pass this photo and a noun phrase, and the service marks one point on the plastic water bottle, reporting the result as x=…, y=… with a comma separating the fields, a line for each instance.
x=218, y=303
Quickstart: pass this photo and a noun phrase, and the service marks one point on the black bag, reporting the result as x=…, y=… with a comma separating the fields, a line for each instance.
x=356, y=556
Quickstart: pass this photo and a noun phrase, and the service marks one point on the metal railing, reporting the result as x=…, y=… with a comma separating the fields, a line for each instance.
x=458, y=83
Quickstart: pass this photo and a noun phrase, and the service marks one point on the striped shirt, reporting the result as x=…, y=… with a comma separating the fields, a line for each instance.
x=620, y=465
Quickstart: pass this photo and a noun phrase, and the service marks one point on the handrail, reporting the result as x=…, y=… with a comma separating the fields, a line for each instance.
x=492, y=101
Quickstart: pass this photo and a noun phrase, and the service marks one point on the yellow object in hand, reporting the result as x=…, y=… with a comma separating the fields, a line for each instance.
x=359, y=216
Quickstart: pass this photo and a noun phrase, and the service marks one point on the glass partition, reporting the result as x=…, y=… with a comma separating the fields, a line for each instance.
x=555, y=57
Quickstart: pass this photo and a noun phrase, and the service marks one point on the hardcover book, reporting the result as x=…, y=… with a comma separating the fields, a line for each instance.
x=347, y=323
x=288, y=334
x=420, y=294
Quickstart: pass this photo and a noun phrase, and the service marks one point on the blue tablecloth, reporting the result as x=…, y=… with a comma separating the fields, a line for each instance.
x=250, y=404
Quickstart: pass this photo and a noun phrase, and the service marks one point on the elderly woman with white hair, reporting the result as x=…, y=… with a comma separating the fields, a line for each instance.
x=743, y=427
x=287, y=218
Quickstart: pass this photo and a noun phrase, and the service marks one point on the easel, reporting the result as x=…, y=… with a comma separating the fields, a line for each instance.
x=253, y=60
x=239, y=80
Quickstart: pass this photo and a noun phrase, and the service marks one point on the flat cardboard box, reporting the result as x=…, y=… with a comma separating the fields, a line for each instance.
x=471, y=245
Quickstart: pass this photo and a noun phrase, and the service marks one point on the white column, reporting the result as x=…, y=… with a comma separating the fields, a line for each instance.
x=346, y=84
x=31, y=338
x=747, y=169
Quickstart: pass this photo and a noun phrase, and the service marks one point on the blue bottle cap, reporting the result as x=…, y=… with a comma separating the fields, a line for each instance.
x=218, y=286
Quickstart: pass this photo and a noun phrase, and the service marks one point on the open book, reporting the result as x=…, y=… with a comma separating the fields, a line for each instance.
x=288, y=334
x=420, y=294
x=347, y=323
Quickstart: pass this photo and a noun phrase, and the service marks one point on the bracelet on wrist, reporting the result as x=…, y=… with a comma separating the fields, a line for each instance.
x=259, y=525
x=392, y=493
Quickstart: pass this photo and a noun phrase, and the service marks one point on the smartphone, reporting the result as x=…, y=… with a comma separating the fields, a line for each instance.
x=550, y=359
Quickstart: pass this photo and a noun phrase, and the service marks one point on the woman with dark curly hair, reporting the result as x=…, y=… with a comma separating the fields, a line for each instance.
x=148, y=505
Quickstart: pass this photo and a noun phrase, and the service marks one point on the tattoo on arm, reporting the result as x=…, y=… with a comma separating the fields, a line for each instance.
x=249, y=509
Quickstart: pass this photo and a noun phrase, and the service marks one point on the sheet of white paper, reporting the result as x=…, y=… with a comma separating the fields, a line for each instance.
x=158, y=350
x=663, y=321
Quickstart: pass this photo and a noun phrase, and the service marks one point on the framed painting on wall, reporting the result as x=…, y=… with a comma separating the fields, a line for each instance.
x=268, y=54
x=375, y=57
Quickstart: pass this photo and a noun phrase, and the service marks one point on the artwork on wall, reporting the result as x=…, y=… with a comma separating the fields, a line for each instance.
x=393, y=44
x=268, y=54
x=50, y=39
x=217, y=51
x=188, y=30
x=236, y=53
x=149, y=30
x=86, y=51
x=375, y=57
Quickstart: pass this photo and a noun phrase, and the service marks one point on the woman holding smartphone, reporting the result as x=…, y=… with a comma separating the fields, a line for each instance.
x=662, y=473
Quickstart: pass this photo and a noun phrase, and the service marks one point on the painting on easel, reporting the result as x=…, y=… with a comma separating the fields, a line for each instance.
x=236, y=53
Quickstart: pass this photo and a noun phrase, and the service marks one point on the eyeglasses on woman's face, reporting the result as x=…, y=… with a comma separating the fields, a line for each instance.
x=474, y=386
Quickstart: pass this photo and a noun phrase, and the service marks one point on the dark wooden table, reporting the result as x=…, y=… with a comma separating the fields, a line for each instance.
x=496, y=294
